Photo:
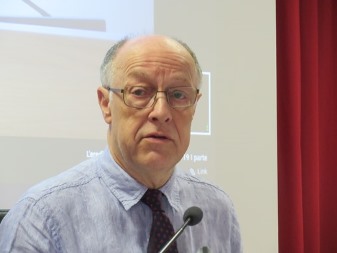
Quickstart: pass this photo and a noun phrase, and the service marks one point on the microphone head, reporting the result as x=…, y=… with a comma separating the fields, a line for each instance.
x=193, y=213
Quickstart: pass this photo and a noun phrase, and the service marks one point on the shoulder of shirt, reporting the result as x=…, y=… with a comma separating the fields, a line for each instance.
x=189, y=180
x=76, y=176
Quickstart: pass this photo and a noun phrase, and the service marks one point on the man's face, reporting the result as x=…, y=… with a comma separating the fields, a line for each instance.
x=150, y=141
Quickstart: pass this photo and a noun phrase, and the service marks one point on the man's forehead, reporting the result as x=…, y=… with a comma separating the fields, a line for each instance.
x=156, y=50
x=181, y=76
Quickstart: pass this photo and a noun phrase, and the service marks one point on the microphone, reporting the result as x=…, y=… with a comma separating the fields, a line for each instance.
x=204, y=250
x=192, y=216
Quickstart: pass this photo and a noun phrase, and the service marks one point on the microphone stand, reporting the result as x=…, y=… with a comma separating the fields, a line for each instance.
x=168, y=244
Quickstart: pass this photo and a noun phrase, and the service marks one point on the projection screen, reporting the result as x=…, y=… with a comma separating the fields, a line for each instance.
x=50, y=119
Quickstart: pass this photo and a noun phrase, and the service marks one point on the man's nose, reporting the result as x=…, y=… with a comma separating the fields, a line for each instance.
x=160, y=94
x=161, y=110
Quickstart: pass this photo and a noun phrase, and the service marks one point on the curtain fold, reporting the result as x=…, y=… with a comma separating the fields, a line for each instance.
x=307, y=125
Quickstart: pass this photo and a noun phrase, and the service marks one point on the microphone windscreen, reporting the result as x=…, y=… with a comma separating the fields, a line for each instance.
x=204, y=250
x=195, y=214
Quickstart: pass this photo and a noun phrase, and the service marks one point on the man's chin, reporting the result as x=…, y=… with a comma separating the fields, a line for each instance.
x=158, y=161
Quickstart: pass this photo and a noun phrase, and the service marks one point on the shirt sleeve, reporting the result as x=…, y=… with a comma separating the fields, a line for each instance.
x=28, y=228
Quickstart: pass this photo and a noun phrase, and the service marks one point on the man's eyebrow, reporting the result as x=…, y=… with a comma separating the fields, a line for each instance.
x=138, y=74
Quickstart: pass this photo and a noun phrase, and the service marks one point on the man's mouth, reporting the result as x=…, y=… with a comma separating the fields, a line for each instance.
x=158, y=136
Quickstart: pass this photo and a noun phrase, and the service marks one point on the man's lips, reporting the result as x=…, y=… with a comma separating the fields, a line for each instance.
x=159, y=136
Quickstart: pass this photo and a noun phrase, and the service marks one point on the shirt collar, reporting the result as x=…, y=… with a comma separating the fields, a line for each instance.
x=126, y=189
x=171, y=191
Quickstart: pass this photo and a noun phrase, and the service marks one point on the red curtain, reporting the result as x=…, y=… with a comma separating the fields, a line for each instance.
x=307, y=125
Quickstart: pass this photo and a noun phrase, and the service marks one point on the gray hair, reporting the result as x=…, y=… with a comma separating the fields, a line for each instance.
x=107, y=69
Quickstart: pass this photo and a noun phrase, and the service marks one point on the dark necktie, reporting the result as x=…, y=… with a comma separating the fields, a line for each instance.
x=162, y=229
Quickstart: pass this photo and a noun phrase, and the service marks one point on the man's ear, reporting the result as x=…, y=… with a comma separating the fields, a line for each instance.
x=103, y=100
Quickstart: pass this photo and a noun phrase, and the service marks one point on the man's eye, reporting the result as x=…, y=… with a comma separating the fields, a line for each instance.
x=178, y=94
x=139, y=91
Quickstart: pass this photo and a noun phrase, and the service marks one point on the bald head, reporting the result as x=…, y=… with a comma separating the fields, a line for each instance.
x=151, y=43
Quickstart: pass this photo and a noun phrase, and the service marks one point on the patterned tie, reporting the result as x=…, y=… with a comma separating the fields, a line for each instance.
x=162, y=229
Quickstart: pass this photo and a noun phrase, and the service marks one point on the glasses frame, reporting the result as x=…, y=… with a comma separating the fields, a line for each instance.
x=153, y=98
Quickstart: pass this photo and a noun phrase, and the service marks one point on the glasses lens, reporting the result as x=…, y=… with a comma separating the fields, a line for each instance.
x=180, y=97
x=138, y=96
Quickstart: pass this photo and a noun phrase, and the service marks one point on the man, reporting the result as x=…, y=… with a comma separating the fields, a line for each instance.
x=148, y=98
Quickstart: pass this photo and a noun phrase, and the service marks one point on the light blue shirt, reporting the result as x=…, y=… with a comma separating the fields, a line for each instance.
x=96, y=207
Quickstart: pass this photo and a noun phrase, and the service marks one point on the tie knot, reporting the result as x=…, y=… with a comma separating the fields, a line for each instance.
x=152, y=198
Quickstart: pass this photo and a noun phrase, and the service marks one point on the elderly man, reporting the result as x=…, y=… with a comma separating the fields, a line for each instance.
x=130, y=198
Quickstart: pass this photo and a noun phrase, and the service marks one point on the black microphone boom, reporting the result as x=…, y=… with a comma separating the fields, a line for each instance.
x=192, y=216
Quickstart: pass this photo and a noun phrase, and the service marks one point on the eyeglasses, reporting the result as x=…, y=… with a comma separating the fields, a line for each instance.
x=144, y=97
